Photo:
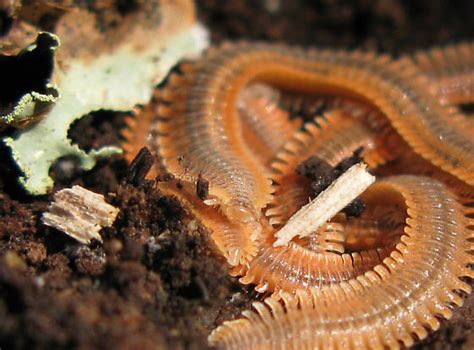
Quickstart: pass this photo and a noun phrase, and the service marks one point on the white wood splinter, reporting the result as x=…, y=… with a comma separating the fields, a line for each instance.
x=328, y=203
x=80, y=213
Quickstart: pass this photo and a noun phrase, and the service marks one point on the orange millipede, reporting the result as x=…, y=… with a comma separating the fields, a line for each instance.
x=223, y=230
x=199, y=119
x=409, y=162
x=210, y=90
x=298, y=266
x=196, y=138
x=372, y=282
x=332, y=139
x=451, y=70
x=266, y=127
x=395, y=302
x=378, y=226
x=451, y=73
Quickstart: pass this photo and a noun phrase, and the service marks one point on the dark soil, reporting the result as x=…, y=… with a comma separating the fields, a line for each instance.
x=155, y=281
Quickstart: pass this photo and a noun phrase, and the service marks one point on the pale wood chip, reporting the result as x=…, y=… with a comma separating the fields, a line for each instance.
x=328, y=203
x=80, y=213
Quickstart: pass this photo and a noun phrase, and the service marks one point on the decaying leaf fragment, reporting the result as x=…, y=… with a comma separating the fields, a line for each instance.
x=80, y=213
x=328, y=203
x=104, y=66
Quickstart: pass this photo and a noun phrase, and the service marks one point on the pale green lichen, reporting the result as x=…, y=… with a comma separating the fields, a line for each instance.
x=33, y=104
x=116, y=80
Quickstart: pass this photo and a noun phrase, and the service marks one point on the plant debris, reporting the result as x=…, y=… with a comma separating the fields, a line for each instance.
x=328, y=203
x=140, y=166
x=80, y=213
x=323, y=174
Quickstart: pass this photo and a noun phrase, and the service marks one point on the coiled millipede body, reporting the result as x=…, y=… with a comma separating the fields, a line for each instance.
x=375, y=281
x=392, y=302
x=201, y=132
x=303, y=265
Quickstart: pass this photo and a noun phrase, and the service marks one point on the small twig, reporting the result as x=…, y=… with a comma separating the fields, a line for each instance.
x=327, y=204
x=140, y=166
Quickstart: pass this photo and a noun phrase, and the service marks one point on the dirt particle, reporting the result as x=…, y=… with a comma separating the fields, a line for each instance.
x=88, y=261
x=34, y=252
x=114, y=246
